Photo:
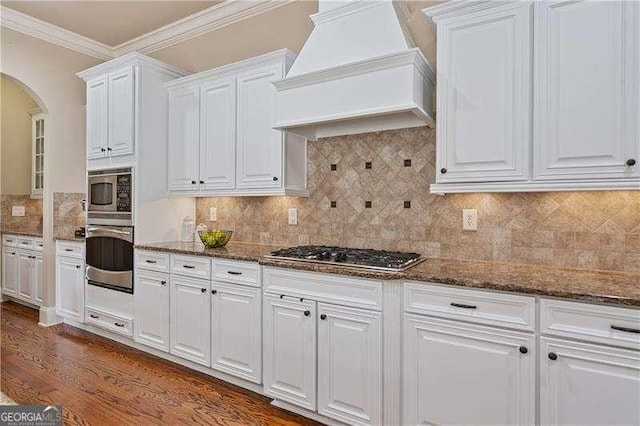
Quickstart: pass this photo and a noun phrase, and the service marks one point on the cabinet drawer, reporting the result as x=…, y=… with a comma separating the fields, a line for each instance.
x=336, y=289
x=237, y=272
x=191, y=266
x=152, y=261
x=597, y=323
x=68, y=249
x=26, y=243
x=108, y=321
x=10, y=241
x=38, y=244
x=485, y=307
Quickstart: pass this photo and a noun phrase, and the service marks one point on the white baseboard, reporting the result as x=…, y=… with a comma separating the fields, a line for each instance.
x=48, y=316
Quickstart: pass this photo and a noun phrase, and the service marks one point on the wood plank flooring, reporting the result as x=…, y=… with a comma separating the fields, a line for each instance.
x=101, y=382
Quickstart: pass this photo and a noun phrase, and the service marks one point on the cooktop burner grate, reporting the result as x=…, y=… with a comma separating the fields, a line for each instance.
x=381, y=260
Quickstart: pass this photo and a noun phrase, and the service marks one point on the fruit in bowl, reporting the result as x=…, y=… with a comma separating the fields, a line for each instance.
x=215, y=238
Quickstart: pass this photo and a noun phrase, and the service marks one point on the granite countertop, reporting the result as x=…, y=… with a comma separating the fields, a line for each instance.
x=72, y=239
x=23, y=233
x=620, y=288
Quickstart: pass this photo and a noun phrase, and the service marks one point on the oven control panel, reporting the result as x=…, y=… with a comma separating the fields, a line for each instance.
x=123, y=190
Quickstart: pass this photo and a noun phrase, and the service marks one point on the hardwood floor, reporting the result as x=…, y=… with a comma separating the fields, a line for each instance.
x=98, y=381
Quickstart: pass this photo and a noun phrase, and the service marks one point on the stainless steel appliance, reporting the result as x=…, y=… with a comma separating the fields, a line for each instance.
x=380, y=260
x=109, y=257
x=110, y=197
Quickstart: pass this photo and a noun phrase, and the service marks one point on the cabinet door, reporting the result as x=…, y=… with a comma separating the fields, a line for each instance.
x=70, y=288
x=458, y=373
x=218, y=134
x=259, y=157
x=290, y=350
x=484, y=95
x=97, y=118
x=122, y=112
x=38, y=283
x=10, y=272
x=184, y=118
x=190, y=330
x=26, y=276
x=587, y=384
x=236, y=331
x=350, y=364
x=587, y=89
x=151, y=326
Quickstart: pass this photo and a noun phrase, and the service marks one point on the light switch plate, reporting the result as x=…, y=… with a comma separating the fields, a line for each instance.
x=213, y=214
x=469, y=219
x=18, y=211
x=293, y=216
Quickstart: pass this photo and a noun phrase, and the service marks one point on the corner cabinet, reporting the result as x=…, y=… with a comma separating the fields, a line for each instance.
x=221, y=140
x=531, y=98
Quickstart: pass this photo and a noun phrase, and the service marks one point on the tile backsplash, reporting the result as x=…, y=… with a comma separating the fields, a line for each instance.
x=31, y=222
x=372, y=191
x=68, y=214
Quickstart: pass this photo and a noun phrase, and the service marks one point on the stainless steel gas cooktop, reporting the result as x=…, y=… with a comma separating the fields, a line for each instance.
x=380, y=260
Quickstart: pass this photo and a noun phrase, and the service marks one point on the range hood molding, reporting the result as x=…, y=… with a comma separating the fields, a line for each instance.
x=391, y=86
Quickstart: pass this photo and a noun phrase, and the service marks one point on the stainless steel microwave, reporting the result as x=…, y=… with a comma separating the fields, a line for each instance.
x=110, y=197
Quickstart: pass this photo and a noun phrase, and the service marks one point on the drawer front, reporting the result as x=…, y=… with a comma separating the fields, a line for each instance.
x=38, y=244
x=26, y=243
x=484, y=307
x=10, y=241
x=329, y=288
x=109, y=321
x=152, y=261
x=69, y=249
x=191, y=266
x=237, y=272
x=601, y=324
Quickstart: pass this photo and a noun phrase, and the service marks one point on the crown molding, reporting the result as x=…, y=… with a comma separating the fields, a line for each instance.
x=220, y=15
x=34, y=27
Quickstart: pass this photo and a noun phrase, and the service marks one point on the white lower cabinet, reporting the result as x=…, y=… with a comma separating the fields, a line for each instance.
x=290, y=350
x=587, y=384
x=190, y=330
x=38, y=280
x=236, y=330
x=70, y=288
x=458, y=373
x=10, y=271
x=151, y=325
x=350, y=364
x=22, y=268
x=26, y=275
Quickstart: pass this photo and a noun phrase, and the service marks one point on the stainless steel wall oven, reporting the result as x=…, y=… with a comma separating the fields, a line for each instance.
x=109, y=257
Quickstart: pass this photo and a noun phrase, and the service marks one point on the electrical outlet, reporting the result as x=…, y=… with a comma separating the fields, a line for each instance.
x=213, y=214
x=293, y=216
x=18, y=211
x=469, y=219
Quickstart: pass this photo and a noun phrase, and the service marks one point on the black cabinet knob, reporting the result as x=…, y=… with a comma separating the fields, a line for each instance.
x=443, y=170
x=109, y=149
x=323, y=317
x=523, y=349
x=553, y=356
x=631, y=162
x=102, y=149
x=214, y=291
x=163, y=282
x=275, y=178
x=193, y=182
x=201, y=182
x=307, y=313
x=203, y=290
x=77, y=266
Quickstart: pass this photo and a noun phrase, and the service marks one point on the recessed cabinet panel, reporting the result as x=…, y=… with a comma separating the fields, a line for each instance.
x=97, y=118
x=586, y=83
x=190, y=330
x=218, y=134
x=184, y=119
x=259, y=157
x=26, y=276
x=121, y=112
x=484, y=95
x=151, y=325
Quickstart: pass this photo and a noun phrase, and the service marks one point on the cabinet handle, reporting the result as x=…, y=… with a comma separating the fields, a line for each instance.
x=118, y=324
x=193, y=182
x=203, y=290
x=102, y=149
x=163, y=282
x=202, y=182
x=151, y=261
x=26, y=243
x=109, y=149
x=323, y=317
x=234, y=273
x=9, y=241
x=463, y=306
x=214, y=291
x=68, y=249
x=94, y=316
x=307, y=313
x=189, y=266
x=13, y=254
x=631, y=162
x=77, y=266
x=553, y=356
x=627, y=329
x=443, y=170
x=275, y=178
x=523, y=350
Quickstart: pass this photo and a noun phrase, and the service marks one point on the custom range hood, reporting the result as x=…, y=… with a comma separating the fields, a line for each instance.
x=358, y=72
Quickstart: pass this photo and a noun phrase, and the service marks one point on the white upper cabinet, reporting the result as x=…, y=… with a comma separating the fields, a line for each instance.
x=586, y=81
x=537, y=96
x=484, y=96
x=97, y=122
x=121, y=112
x=218, y=134
x=184, y=118
x=233, y=149
x=259, y=146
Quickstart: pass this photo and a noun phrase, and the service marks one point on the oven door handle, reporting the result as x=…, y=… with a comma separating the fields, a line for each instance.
x=104, y=232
